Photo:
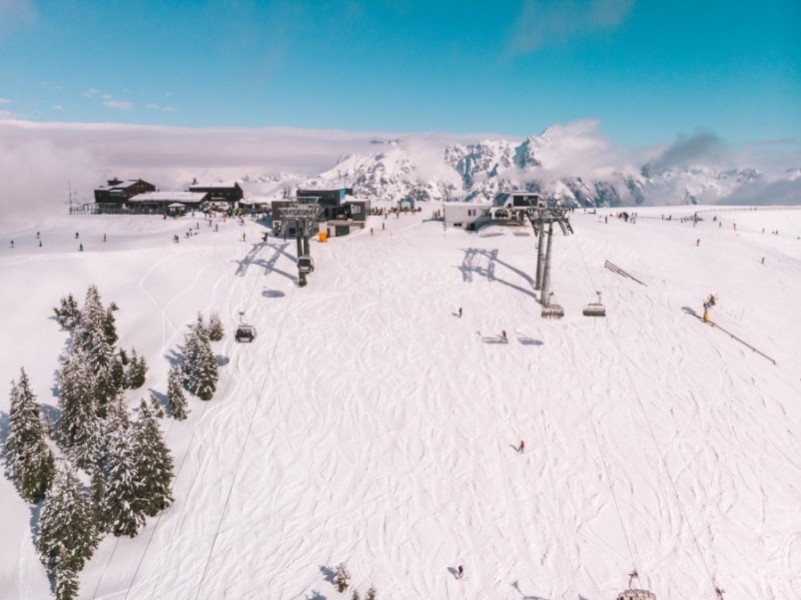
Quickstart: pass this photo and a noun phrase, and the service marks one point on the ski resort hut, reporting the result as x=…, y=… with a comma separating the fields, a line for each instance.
x=466, y=215
x=224, y=194
x=406, y=204
x=167, y=202
x=115, y=196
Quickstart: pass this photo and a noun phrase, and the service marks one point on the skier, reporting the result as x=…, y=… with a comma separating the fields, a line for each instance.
x=371, y=231
x=37, y=235
x=763, y=260
x=383, y=226
x=12, y=243
x=76, y=235
x=522, y=447
x=460, y=312
x=243, y=236
x=216, y=227
x=40, y=244
x=80, y=247
x=104, y=238
x=698, y=242
x=503, y=337
x=460, y=571
x=264, y=237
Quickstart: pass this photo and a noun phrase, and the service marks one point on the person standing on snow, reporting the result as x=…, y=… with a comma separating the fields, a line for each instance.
x=460, y=572
x=522, y=447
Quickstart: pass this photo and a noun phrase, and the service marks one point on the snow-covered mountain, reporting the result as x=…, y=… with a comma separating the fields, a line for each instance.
x=579, y=168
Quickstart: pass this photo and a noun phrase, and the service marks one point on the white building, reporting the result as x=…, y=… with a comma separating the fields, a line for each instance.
x=467, y=215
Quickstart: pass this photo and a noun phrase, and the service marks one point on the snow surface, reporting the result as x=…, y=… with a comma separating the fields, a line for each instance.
x=368, y=424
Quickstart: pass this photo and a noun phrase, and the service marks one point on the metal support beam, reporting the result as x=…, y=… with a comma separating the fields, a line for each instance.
x=299, y=240
x=546, y=277
x=540, y=252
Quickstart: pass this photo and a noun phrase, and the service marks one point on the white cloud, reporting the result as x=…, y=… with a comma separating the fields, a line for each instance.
x=118, y=104
x=153, y=106
x=58, y=107
x=169, y=109
x=91, y=93
x=557, y=21
x=4, y=101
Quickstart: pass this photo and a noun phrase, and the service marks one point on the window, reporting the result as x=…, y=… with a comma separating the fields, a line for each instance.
x=355, y=209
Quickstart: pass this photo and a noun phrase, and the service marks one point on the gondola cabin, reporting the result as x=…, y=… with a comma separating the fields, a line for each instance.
x=245, y=333
x=305, y=264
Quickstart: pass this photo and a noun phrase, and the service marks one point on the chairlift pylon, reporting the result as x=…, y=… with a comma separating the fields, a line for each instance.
x=595, y=309
x=551, y=310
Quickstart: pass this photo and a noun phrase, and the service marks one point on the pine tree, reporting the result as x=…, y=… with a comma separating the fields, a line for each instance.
x=29, y=460
x=92, y=337
x=110, y=325
x=207, y=370
x=216, y=331
x=355, y=595
x=371, y=593
x=137, y=371
x=79, y=424
x=341, y=577
x=176, y=401
x=67, y=532
x=154, y=466
x=118, y=368
x=199, y=364
x=190, y=364
x=67, y=313
x=122, y=508
x=66, y=584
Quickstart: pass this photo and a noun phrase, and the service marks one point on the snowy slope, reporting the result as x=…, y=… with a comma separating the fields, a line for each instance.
x=368, y=424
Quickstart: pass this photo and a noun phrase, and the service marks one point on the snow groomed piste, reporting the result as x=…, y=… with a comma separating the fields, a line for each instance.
x=365, y=423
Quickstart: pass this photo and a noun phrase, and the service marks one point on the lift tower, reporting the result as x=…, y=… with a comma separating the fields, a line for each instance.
x=304, y=216
x=547, y=212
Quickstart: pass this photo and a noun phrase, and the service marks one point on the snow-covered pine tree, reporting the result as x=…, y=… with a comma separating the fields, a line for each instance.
x=154, y=465
x=122, y=508
x=91, y=336
x=192, y=350
x=216, y=331
x=79, y=424
x=67, y=532
x=207, y=373
x=371, y=593
x=28, y=459
x=137, y=371
x=110, y=325
x=118, y=369
x=176, y=401
x=66, y=584
x=341, y=577
x=67, y=313
x=355, y=595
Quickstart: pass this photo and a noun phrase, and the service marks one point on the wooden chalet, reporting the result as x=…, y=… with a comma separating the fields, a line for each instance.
x=118, y=193
x=226, y=194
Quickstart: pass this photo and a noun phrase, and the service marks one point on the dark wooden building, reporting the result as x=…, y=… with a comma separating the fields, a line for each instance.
x=223, y=193
x=119, y=192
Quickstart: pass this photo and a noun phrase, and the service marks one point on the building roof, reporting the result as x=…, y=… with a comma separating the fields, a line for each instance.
x=119, y=186
x=181, y=197
x=215, y=185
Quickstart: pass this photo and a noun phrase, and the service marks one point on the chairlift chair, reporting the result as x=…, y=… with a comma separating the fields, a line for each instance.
x=595, y=309
x=305, y=264
x=552, y=311
x=245, y=333
x=636, y=595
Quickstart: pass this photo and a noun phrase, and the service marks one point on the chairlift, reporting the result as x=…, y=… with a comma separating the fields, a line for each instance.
x=502, y=213
x=552, y=311
x=635, y=594
x=305, y=264
x=595, y=309
x=245, y=333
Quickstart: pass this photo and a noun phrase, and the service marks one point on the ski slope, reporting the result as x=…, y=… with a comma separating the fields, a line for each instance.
x=369, y=424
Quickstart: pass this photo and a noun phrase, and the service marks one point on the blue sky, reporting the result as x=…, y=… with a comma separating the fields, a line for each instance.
x=649, y=71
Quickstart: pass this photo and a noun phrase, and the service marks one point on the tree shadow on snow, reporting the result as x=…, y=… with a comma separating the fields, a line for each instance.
x=174, y=357
x=222, y=360
x=160, y=398
x=315, y=595
x=328, y=573
x=516, y=586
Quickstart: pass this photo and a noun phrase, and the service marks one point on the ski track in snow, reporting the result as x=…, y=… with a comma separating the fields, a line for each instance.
x=368, y=424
